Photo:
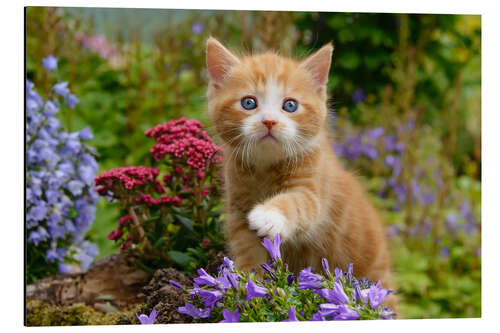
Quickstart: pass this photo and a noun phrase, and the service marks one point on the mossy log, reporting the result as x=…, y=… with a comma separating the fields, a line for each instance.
x=111, y=292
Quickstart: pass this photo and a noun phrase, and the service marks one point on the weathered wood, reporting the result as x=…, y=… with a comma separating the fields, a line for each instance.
x=115, y=279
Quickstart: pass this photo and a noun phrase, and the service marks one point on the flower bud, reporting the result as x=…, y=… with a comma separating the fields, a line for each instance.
x=281, y=292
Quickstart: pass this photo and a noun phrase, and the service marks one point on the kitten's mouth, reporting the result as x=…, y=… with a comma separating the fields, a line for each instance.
x=268, y=137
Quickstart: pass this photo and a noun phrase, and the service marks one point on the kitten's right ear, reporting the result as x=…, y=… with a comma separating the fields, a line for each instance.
x=219, y=61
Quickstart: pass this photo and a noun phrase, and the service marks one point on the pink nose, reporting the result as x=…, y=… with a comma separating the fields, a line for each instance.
x=269, y=123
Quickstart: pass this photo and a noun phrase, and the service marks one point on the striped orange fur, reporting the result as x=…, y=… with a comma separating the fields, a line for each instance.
x=280, y=173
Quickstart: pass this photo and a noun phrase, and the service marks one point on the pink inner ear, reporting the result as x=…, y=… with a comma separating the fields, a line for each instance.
x=215, y=64
x=318, y=65
x=219, y=61
x=322, y=70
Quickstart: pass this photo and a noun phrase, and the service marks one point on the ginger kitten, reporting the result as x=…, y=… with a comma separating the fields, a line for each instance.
x=280, y=173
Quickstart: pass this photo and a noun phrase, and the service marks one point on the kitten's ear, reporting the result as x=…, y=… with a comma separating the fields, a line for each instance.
x=318, y=64
x=219, y=61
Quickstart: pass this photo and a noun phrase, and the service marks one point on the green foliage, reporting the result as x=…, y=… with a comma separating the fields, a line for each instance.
x=431, y=63
x=35, y=256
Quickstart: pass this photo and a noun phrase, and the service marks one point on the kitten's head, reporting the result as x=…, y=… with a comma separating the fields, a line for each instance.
x=266, y=107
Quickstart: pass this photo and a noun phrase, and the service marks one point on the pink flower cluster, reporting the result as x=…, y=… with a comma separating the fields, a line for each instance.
x=184, y=139
x=130, y=177
x=115, y=234
x=122, y=222
x=98, y=44
x=118, y=234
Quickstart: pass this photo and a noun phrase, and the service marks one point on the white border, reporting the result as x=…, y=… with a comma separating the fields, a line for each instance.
x=11, y=87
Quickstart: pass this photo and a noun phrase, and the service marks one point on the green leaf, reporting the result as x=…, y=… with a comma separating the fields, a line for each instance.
x=185, y=222
x=144, y=267
x=180, y=258
x=160, y=242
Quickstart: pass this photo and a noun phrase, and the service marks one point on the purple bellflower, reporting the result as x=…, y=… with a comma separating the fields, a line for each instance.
x=147, y=320
x=338, y=312
x=190, y=310
x=50, y=63
x=197, y=28
x=254, y=290
x=210, y=297
x=205, y=278
x=61, y=88
x=374, y=295
x=335, y=296
x=273, y=247
x=230, y=317
x=309, y=280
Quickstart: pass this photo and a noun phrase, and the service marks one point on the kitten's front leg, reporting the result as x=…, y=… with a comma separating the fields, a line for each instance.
x=245, y=246
x=285, y=214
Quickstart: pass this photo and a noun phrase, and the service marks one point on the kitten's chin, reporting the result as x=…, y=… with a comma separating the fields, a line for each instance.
x=268, y=151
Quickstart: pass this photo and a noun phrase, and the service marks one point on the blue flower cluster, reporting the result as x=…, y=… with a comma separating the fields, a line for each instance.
x=60, y=194
x=384, y=153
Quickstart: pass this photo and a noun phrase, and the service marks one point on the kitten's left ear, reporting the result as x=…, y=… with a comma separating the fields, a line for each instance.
x=318, y=64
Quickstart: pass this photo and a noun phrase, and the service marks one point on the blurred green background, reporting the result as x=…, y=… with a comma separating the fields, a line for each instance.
x=416, y=76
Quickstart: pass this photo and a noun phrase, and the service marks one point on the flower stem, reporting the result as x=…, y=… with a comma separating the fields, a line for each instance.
x=138, y=225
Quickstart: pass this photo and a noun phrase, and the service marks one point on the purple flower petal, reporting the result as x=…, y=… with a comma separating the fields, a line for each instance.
x=230, y=317
x=291, y=315
x=326, y=267
x=176, y=284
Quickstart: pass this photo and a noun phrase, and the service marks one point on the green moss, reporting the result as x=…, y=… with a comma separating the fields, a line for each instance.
x=43, y=314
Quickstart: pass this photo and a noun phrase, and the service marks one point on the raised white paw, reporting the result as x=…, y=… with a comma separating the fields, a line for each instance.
x=266, y=222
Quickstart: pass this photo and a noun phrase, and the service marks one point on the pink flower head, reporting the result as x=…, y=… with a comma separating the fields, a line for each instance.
x=98, y=44
x=123, y=220
x=129, y=177
x=184, y=140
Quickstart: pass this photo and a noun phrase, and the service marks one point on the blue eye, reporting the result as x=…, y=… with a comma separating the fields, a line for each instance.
x=248, y=103
x=290, y=105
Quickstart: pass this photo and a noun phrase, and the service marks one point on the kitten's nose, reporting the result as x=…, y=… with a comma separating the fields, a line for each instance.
x=269, y=123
